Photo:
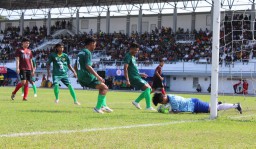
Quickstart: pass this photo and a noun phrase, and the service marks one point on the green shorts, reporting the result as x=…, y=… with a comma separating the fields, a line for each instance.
x=89, y=82
x=63, y=79
x=138, y=82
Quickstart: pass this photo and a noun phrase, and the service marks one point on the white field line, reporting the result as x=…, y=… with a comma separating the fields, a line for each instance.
x=92, y=129
x=107, y=128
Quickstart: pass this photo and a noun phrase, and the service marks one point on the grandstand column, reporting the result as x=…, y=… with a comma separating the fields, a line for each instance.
x=253, y=18
x=108, y=21
x=215, y=59
x=22, y=23
x=193, y=21
x=98, y=24
x=175, y=18
x=140, y=21
x=49, y=23
x=77, y=21
x=159, y=20
x=128, y=19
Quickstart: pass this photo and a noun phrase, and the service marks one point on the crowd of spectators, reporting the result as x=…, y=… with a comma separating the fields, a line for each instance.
x=160, y=43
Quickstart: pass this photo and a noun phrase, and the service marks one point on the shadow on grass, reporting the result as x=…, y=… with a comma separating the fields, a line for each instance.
x=47, y=111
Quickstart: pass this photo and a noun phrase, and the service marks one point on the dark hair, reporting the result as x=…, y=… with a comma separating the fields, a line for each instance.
x=161, y=60
x=58, y=45
x=157, y=98
x=25, y=40
x=88, y=41
x=134, y=46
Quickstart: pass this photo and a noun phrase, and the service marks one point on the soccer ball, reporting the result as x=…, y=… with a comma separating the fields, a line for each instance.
x=163, y=108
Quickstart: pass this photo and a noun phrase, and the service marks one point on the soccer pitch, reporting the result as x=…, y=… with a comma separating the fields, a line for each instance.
x=40, y=123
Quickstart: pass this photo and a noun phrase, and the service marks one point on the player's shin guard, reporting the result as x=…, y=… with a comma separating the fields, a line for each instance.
x=100, y=101
x=148, y=97
x=72, y=92
x=25, y=91
x=104, y=103
x=18, y=86
x=56, y=91
x=34, y=88
x=140, y=97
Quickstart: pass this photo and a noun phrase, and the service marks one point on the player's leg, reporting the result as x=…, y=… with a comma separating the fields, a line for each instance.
x=56, y=80
x=103, y=89
x=140, y=83
x=26, y=88
x=66, y=81
x=226, y=106
x=20, y=84
x=32, y=82
x=147, y=90
x=104, y=106
x=199, y=106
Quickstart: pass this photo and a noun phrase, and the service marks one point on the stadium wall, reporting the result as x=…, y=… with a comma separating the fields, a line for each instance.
x=118, y=23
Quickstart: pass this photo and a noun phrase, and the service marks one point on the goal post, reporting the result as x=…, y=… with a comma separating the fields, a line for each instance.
x=215, y=58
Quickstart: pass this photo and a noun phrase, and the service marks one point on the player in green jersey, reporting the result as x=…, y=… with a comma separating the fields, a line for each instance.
x=133, y=77
x=88, y=77
x=32, y=81
x=61, y=64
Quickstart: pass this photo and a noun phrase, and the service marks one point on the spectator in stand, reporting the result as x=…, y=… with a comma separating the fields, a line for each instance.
x=1, y=79
x=198, y=88
x=209, y=88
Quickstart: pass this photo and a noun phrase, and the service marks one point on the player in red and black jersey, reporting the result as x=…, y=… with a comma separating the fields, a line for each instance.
x=24, y=67
x=158, y=79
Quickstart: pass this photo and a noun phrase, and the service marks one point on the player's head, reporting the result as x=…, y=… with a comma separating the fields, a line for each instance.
x=90, y=43
x=134, y=48
x=59, y=48
x=161, y=62
x=25, y=42
x=158, y=98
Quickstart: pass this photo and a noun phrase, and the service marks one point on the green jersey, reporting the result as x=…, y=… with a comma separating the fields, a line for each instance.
x=60, y=64
x=84, y=58
x=133, y=71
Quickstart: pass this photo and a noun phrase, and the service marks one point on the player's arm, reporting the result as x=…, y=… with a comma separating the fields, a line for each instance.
x=17, y=64
x=72, y=69
x=126, y=74
x=143, y=75
x=92, y=71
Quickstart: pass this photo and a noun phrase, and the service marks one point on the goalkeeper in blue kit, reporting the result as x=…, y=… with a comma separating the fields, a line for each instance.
x=177, y=104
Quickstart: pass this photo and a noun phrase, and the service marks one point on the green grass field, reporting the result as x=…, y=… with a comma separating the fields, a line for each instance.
x=69, y=126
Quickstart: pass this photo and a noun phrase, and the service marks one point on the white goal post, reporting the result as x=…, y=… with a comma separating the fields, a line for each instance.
x=215, y=59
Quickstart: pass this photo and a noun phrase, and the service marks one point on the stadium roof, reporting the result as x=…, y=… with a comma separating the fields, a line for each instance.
x=38, y=9
x=37, y=4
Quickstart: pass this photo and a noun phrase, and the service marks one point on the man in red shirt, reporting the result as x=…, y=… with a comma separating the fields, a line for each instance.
x=245, y=87
x=24, y=67
x=158, y=79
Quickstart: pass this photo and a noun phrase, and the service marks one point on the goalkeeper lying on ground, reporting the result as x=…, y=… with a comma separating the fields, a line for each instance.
x=175, y=104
